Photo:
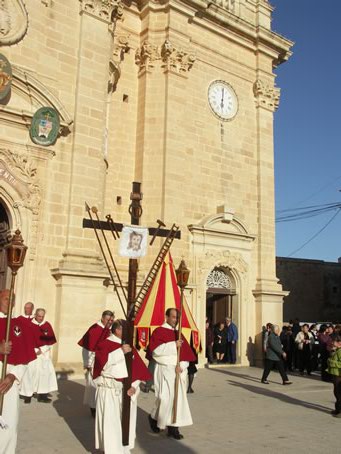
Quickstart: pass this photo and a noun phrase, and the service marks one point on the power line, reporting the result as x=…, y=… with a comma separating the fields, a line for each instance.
x=295, y=214
x=316, y=234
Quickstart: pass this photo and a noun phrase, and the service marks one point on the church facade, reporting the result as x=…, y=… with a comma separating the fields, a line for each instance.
x=179, y=95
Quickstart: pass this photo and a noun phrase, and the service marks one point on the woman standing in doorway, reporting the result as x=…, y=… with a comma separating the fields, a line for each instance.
x=220, y=338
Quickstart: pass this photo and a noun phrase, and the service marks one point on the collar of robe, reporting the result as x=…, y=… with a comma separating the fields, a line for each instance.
x=114, y=338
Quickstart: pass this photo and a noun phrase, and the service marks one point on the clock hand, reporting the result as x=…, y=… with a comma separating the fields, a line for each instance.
x=222, y=99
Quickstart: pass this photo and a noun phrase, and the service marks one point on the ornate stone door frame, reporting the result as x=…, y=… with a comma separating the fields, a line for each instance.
x=20, y=195
x=223, y=241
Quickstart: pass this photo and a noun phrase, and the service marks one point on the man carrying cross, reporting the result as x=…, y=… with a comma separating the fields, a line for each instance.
x=163, y=348
x=109, y=371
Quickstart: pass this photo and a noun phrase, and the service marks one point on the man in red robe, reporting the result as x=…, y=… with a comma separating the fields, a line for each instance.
x=95, y=334
x=163, y=348
x=20, y=352
x=40, y=377
x=28, y=312
x=109, y=371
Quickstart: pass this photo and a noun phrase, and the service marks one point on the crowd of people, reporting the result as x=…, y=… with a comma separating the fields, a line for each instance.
x=306, y=347
x=30, y=373
x=221, y=342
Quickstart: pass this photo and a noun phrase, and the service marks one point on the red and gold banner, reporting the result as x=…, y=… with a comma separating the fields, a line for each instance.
x=164, y=294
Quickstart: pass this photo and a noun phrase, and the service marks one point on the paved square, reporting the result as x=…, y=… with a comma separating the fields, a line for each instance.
x=231, y=409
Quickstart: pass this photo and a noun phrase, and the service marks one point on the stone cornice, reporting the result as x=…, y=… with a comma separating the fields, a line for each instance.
x=209, y=15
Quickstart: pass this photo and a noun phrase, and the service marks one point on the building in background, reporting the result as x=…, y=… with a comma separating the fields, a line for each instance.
x=179, y=95
x=314, y=288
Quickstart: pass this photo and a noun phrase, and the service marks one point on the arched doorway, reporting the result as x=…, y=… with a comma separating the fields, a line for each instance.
x=4, y=236
x=220, y=295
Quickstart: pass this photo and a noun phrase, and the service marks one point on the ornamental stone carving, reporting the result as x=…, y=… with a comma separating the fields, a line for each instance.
x=224, y=259
x=228, y=5
x=121, y=47
x=147, y=55
x=218, y=279
x=172, y=59
x=20, y=173
x=267, y=96
x=13, y=21
x=108, y=10
x=176, y=59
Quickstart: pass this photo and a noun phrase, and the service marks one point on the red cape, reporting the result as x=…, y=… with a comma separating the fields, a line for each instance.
x=23, y=342
x=163, y=335
x=44, y=334
x=94, y=336
x=25, y=319
x=139, y=369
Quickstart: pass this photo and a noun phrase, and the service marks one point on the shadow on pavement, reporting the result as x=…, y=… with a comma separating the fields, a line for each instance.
x=236, y=374
x=282, y=397
x=152, y=443
x=69, y=406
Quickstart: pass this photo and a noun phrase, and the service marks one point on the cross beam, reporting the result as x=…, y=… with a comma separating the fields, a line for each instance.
x=104, y=225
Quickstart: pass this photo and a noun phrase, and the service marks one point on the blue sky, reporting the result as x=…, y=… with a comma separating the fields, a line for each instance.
x=308, y=125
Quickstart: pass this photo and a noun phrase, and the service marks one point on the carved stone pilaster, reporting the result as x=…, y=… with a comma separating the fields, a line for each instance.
x=13, y=21
x=267, y=96
x=107, y=10
x=176, y=60
x=121, y=47
x=147, y=55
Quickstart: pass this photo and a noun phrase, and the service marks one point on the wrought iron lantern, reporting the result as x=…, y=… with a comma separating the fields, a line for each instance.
x=182, y=275
x=16, y=252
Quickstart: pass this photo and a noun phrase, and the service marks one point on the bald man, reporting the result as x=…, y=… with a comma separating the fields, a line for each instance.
x=20, y=353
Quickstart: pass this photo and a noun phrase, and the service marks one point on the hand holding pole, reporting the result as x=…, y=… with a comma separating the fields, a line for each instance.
x=16, y=251
x=182, y=276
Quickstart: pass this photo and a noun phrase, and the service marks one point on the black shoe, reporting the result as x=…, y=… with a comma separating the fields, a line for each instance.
x=173, y=432
x=93, y=412
x=153, y=425
x=334, y=412
x=27, y=400
x=43, y=399
x=22, y=397
x=265, y=382
x=287, y=382
x=190, y=391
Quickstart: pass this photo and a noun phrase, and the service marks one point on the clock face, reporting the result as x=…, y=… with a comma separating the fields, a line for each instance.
x=223, y=100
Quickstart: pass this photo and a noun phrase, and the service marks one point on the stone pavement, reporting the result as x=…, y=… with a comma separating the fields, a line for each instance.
x=231, y=409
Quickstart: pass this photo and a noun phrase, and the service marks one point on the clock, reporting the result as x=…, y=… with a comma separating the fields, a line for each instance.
x=223, y=100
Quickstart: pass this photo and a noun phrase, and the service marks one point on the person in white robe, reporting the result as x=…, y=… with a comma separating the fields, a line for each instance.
x=163, y=346
x=95, y=334
x=109, y=394
x=41, y=378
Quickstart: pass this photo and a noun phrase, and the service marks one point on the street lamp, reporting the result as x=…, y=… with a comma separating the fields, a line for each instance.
x=16, y=252
x=182, y=276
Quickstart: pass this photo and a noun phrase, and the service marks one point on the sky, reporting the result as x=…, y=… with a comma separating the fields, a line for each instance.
x=308, y=126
